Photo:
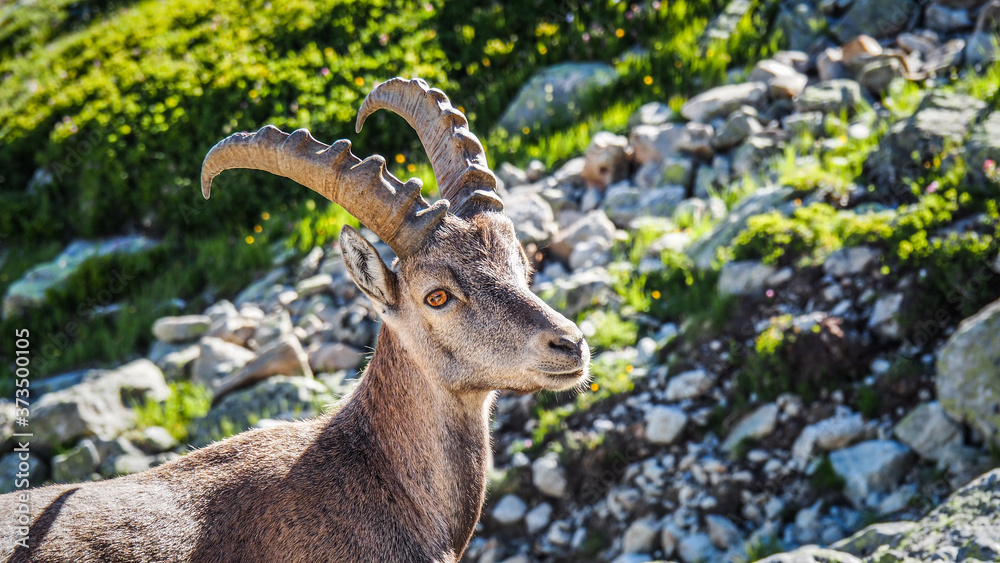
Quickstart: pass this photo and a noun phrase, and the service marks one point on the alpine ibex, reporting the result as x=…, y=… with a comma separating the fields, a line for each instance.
x=397, y=472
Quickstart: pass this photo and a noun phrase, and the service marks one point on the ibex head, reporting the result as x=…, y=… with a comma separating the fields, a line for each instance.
x=457, y=298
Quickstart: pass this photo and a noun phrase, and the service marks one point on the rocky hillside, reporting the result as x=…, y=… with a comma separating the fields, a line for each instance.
x=789, y=282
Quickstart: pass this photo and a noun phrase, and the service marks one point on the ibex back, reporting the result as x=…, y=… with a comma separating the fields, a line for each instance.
x=397, y=471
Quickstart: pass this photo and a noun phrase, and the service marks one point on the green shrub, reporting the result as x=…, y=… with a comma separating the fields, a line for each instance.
x=610, y=331
x=122, y=111
x=187, y=402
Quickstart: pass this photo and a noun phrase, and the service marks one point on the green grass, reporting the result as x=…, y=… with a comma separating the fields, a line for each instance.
x=825, y=479
x=763, y=547
x=187, y=402
x=609, y=377
x=611, y=332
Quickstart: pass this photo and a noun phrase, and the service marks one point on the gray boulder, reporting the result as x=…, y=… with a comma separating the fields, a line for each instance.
x=653, y=113
x=334, y=356
x=594, y=226
x=723, y=100
x=10, y=467
x=278, y=397
x=284, y=356
x=884, y=319
x=758, y=424
x=606, y=160
x=754, y=152
x=928, y=430
x=878, y=18
x=97, y=406
x=76, y=465
x=940, y=118
x=664, y=424
x=746, y=277
x=965, y=527
x=556, y=95
x=549, y=476
x=532, y=216
x=870, y=467
x=509, y=510
x=29, y=291
x=831, y=96
x=217, y=359
x=625, y=203
x=848, y=262
x=800, y=23
x=811, y=554
x=580, y=291
x=968, y=372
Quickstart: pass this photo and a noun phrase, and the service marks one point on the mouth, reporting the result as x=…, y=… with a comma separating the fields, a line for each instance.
x=561, y=381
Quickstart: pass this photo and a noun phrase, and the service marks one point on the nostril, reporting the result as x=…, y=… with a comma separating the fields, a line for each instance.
x=565, y=345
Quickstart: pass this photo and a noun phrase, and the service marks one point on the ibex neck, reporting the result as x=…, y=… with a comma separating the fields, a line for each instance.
x=437, y=440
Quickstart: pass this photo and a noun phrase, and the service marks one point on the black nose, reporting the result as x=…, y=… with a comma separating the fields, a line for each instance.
x=566, y=345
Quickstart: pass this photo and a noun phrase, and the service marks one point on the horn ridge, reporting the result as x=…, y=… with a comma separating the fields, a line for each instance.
x=443, y=130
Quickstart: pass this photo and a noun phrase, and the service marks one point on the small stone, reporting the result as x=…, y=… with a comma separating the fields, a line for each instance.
x=156, y=439
x=967, y=383
x=334, y=356
x=850, y=261
x=538, y=518
x=830, y=65
x=878, y=18
x=832, y=433
x=723, y=100
x=77, y=464
x=940, y=18
x=884, y=319
x=873, y=466
x=181, y=329
x=548, y=476
x=723, y=533
x=664, y=424
x=697, y=548
x=510, y=510
x=738, y=127
x=606, y=160
x=511, y=175
x=831, y=96
x=748, y=277
x=669, y=535
x=653, y=113
x=689, y=385
x=10, y=468
x=234, y=329
x=640, y=537
x=757, y=425
x=281, y=357
x=928, y=430
x=782, y=80
x=313, y=285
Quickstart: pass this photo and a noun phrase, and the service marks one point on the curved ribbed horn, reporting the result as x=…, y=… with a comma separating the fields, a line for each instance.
x=391, y=209
x=457, y=156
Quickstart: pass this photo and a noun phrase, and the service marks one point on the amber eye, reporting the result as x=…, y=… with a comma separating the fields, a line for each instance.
x=437, y=298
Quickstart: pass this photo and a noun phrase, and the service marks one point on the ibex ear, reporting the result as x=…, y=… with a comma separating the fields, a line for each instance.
x=367, y=269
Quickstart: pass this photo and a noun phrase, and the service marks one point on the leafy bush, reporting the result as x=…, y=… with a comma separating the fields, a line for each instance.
x=187, y=402
x=610, y=331
x=121, y=112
